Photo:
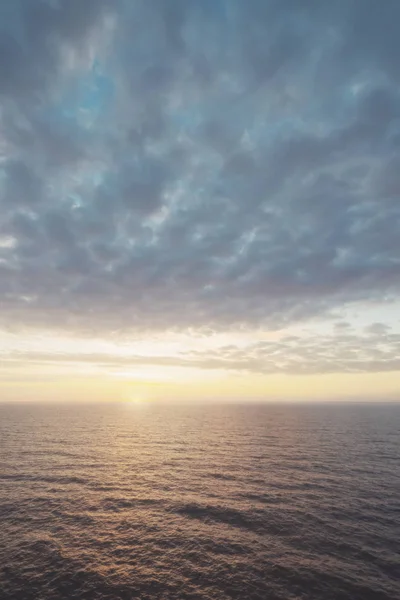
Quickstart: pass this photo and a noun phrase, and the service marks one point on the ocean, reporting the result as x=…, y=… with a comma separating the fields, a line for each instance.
x=263, y=502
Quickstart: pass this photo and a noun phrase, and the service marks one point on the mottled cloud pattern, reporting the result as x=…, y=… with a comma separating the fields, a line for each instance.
x=213, y=164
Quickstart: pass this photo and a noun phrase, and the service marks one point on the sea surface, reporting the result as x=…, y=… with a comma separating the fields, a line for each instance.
x=192, y=502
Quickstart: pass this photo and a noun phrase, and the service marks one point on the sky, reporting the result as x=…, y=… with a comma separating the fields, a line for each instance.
x=199, y=199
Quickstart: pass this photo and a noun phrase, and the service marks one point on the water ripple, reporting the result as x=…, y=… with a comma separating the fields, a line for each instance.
x=262, y=503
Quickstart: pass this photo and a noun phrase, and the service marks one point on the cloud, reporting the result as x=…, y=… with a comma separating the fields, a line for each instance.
x=205, y=165
x=378, y=350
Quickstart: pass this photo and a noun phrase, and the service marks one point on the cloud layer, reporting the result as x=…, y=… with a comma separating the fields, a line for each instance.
x=212, y=164
x=343, y=350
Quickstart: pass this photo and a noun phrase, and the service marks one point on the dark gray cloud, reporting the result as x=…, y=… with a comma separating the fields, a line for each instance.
x=197, y=164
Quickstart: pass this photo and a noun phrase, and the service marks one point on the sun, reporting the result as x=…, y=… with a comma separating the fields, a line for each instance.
x=136, y=400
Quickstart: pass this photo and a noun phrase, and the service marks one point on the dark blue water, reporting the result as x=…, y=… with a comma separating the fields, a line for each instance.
x=273, y=502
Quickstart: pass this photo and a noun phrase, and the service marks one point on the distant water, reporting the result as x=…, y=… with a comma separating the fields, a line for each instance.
x=272, y=502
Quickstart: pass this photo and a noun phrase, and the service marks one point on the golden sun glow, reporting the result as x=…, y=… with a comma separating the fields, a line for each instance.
x=136, y=400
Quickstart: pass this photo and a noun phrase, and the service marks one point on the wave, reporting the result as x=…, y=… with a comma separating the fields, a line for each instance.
x=280, y=512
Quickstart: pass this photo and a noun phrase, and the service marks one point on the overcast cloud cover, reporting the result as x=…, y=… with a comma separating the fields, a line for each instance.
x=212, y=164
